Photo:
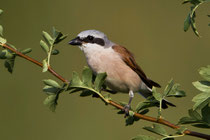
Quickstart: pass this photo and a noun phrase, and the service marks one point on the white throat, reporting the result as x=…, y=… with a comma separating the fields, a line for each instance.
x=98, y=56
x=92, y=49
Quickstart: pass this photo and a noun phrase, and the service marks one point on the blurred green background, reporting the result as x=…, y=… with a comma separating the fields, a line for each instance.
x=152, y=30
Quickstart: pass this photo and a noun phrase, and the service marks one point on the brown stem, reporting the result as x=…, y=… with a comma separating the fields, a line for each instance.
x=35, y=62
x=144, y=117
x=164, y=122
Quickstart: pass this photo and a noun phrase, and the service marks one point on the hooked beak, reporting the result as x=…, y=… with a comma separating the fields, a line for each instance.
x=76, y=42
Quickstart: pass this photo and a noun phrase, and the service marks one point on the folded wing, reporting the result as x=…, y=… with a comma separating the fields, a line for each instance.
x=128, y=58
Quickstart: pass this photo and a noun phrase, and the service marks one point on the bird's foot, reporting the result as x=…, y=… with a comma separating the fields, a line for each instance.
x=126, y=110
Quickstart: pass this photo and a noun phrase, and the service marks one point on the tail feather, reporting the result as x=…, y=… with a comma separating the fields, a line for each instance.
x=154, y=83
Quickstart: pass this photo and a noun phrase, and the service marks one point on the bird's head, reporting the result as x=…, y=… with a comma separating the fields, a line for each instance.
x=90, y=38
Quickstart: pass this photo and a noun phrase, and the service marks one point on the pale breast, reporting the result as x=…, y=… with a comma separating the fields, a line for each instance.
x=120, y=77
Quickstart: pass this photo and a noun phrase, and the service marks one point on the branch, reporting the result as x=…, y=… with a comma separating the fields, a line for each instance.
x=164, y=122
x=35, y=62
x=144, y=117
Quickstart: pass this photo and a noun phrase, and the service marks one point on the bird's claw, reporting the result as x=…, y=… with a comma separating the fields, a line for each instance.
x=126, y=110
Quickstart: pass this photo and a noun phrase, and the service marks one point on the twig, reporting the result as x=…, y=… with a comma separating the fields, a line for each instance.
x=164, y=122
x=144, y=117
x=35, y=62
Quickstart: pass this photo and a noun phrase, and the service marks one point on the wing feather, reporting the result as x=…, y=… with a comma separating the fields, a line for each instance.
x=128, y=58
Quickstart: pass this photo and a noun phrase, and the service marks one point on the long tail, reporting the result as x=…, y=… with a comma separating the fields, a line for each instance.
x=165, y=103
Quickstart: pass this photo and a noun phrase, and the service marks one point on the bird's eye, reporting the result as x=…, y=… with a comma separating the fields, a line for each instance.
x=90, y=37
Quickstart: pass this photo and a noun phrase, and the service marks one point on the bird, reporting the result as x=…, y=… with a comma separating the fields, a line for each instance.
x=123, y=73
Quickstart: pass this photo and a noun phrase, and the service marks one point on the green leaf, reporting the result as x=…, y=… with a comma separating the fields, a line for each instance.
x=87, y=76
x=123, y=103
x=1, y=11
x=196, y=2
x=185, y=1
x=9, y=64
x=187, y=23
x=190, y=20
x=51, y=102
x=12, y=46
x=55, y=52
x=145, y=111
x=1, y=30
x=194, y=114
x=49, y=90
x=55, y=33
x=157, y=96
x=175, y=92
x=3, y=40
x=187, y=120
x=100, y=78
x=44, y=46
x=145, y=104
x=202, y=85
x=48, y=38
x=121, y=112
x=193, y=26
x=201, y=125
x=156, y=129
x=76, y=90
x=60, y=39
x=131, y=113
x=107, y=96
x=201, y=100
x=58, y=36
x=52, y=83
x=2, y=55
x=178, y=93
x=28, y=50
x=205, y=72
x=5, y=54
x=206, y=1
x=168, y=87
x=142, y=137
x=45, y=65
x=206, y=114
x=86, y=93
x=154, y=89
x=129, y=120
x=75, y=81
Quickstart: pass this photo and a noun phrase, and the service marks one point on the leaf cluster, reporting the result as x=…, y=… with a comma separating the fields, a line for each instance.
x=171, y=90
x=190, y=19
x=159, y=130
x=199, y=115
x=6, y=54
x=88, y=84
x=52, y=89
x=131, y=118
x=48, y=45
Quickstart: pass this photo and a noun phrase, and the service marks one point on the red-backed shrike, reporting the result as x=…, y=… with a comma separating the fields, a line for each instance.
x=123, y=73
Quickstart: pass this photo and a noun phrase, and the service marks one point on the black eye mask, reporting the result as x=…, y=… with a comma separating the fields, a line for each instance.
x=93, y=40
